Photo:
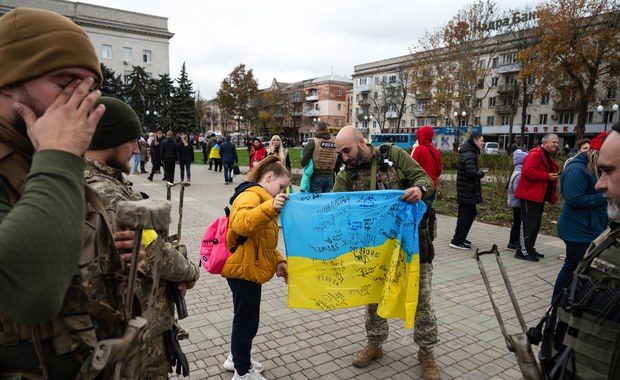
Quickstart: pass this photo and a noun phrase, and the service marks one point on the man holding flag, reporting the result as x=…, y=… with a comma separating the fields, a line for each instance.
x=383, y=168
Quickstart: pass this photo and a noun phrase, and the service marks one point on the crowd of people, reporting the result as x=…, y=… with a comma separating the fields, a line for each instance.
x=104, y=305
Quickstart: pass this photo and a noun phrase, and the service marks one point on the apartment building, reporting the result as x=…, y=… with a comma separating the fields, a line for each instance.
x=326, y=98
x=121, y=38
x=499, y=112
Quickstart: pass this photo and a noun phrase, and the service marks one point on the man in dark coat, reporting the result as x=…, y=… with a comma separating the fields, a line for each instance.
x=156, y=153
x=468, y=189
x=169, y=156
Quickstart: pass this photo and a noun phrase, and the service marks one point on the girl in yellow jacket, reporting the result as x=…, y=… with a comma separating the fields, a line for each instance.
x=256, y=206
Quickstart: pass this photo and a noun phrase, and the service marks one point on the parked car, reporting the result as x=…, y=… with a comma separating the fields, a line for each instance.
x=491, y=148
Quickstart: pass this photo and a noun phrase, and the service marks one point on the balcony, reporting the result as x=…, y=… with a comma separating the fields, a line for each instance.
x=564, y=106
x=391, y=114
x=364, y=88
x=509, y=68
x=363, y=101
x=297, y=113
x=507, y=108
x=312, y=98
x=311, y=113
x=423, y=95
x=506, y=88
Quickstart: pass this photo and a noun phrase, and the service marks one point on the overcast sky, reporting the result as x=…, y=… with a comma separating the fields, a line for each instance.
x=291, y=40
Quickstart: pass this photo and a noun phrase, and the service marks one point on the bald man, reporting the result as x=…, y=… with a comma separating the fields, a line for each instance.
x=404, y=173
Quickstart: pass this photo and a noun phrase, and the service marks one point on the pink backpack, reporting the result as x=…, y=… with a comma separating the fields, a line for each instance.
x=213, y=250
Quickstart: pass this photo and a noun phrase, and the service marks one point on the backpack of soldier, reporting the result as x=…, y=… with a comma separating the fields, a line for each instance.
x=213, y=249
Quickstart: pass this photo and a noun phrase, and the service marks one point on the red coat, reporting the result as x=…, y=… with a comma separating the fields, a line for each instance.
x=427, y=155
x=257, y=154
x=535, y=177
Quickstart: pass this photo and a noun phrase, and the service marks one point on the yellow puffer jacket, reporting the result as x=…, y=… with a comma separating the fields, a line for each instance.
x=252, y=215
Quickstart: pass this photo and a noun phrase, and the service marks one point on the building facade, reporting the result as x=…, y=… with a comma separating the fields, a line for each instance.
x=121, y=38
x=499, y=113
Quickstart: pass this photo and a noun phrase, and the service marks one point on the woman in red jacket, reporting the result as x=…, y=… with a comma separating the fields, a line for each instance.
x=257, y=153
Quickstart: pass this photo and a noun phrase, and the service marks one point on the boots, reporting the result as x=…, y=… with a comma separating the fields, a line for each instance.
x=367, y=355
x=429, y=367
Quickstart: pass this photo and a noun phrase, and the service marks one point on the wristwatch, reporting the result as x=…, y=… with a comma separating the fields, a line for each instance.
x=422, y=189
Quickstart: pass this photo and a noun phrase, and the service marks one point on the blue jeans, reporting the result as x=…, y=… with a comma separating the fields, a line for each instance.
x=321, y=184
x=228, y=167
x=574, y=254
x=185, y=165
x=136, y=162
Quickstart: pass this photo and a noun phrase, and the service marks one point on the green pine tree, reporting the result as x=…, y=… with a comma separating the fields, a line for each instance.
x=184, y=105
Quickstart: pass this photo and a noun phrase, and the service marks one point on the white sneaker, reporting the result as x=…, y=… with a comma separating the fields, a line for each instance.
x=251, y=375
x=229, y=365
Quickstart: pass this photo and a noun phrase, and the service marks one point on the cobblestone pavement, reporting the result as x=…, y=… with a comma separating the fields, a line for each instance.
x=310, y=344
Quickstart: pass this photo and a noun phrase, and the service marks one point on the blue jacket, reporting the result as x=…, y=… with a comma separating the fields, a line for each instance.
x=584, y=212
x=228, y=152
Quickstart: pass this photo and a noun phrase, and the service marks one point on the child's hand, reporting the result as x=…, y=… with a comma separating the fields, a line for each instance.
x=281, y=271
x=279, y=201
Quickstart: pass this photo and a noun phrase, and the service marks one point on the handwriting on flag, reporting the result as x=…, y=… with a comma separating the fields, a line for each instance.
x=351, y=249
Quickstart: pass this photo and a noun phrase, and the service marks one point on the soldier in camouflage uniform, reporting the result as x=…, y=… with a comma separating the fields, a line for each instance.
x=107, y=159
x=62, y=280
x=394, y=169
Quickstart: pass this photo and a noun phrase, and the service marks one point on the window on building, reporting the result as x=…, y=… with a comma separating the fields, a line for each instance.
x=296, y=96
x=477, y=120
x=126, y=75
x=506, y=120
x=509, y=58
x=482, y=64
x=490, y=121
x=528, y=119
x=492, y=101
x=480, y=83
x=542, y=119
x=589, y=117
x=495, y=62
x=374, y=124
x=609, y=116
x=339, y=92
x=612, y=92
x=377, y=80
x=510, y=79
x=392, y=79
x=106, y=51
x=566, y=118
x=402, y=124
x=127, y=54
x=530, y=99
x=363, y=81
x=411, y=123
x=494, y=81
x=147, y=56
x=339, y=106
x=544, y=99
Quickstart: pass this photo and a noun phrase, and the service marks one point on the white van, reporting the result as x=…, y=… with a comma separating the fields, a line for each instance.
x=491, y=148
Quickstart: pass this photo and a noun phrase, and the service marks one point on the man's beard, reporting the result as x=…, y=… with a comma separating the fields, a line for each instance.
x=613, y=210
x=115, y=164
x=360, y=159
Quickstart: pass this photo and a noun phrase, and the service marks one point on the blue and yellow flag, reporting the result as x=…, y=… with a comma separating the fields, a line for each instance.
x=351, y=249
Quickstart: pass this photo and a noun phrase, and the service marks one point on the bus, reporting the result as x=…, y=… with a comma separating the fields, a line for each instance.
x=403, y=140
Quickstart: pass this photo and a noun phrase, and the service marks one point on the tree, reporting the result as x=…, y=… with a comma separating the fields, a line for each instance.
x=201, y=112
x=183, y=104
x=112, y=85
x=452, y=63
x=236, y=92
x=578, y=49
x=391, y=99
x=160, y=101
x=137, y=91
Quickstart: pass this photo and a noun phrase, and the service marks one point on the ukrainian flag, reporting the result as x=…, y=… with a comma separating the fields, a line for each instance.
x=351, y=249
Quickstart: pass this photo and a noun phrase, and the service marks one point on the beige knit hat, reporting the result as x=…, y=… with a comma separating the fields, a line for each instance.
x=34, y=42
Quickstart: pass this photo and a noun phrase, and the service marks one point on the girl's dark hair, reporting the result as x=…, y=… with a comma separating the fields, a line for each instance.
x=266, y=165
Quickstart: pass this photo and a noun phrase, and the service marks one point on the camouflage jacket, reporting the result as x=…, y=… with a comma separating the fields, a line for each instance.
x=112, y=188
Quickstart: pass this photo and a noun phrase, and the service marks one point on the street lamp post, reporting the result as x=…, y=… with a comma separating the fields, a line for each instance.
x=154, y=115
x=315, y=121
x=459, y=121
x=605, y=114
x=239, y=120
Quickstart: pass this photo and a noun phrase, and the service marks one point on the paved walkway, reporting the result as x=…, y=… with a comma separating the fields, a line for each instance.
x=308, y=344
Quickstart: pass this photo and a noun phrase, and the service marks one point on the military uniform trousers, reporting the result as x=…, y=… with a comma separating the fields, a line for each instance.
x=425, y=325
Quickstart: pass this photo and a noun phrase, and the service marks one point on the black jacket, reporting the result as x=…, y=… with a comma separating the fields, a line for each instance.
x=468, y=188
x=169, y=150
x=186, y=153
x=228, y=152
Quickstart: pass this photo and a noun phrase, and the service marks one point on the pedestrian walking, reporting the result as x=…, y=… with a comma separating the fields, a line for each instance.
x=156, y=154
x=186, y=157
x=228, y=152
x=215, y=157
x=256, y=207
x=468, y=189
x=169, y=156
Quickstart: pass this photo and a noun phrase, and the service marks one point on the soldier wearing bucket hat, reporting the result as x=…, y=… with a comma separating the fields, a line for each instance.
x=49, y=74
